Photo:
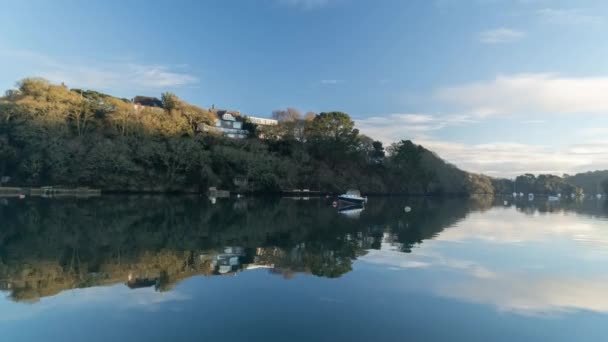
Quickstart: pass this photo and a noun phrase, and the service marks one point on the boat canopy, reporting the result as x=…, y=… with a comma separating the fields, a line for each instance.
x=354, y=193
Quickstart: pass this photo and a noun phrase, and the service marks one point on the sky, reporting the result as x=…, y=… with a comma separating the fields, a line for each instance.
x=493, y=86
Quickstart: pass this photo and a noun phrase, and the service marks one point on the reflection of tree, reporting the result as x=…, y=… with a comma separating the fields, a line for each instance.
x=590, y=207
x=49, y=246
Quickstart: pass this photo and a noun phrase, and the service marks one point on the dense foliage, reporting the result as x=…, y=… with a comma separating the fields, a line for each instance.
x=51, y=135
x=539, y=185
x=591, y=182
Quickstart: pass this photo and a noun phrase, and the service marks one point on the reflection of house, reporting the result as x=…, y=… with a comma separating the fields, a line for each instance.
x=236, y=259
x=230, y=261
x=134, y=282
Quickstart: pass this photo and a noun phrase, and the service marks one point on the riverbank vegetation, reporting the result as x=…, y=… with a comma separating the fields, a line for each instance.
x=53, y=135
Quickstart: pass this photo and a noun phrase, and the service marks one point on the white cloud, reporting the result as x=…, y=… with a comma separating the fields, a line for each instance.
x=508, y=159
x=114, y=76
x=306, y=4
x=331, y=81
x=530, y=94
x=500, y=35
x=100, y=74
x=397, y=126
x=498, y=158
x=568, y=16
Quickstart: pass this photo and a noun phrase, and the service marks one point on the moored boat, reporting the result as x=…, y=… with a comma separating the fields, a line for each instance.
x=352, y=196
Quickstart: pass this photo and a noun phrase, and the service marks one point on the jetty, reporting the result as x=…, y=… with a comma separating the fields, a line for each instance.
x=48, y=191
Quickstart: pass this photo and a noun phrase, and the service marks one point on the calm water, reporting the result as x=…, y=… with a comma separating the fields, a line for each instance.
x=184, y=269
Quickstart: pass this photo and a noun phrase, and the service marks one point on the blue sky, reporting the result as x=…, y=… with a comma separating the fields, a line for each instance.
x=494, y=86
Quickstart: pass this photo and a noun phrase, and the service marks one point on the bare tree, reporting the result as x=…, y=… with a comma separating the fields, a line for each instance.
x=287, y=115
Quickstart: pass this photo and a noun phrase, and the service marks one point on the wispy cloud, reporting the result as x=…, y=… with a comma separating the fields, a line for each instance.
x=331, y=81
x=102, y=74
x=495, y=158
x=530, y=94
x=508, y=159
x=306, y=4
x=568, y=16
x=394, y=127
x=500, y=35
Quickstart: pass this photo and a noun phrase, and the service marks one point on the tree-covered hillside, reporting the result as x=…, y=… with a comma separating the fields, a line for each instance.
x=51, y=135
x=591, y=182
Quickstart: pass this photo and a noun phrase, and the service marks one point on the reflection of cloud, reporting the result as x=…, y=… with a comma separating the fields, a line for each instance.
x=424, y=259
x=119, y=297
x=532, y=295
x=502, y=226
x=526, y=281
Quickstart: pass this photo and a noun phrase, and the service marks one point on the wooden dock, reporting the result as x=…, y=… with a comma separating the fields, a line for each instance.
x=48, y=191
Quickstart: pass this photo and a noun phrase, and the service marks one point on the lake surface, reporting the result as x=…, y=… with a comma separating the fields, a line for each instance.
x=185, y=269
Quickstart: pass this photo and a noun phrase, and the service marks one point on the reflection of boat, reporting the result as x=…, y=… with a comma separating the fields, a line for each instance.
x=352, y=211
x=352, y=196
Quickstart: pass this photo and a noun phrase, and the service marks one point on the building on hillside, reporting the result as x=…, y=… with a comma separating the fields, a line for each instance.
x=263, y=121
x=228, y=123
x=231, y=123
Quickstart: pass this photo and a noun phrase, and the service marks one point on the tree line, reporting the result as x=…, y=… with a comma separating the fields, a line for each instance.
x=53, y=135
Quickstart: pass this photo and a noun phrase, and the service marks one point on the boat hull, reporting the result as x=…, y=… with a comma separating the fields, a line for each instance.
x=351, y=200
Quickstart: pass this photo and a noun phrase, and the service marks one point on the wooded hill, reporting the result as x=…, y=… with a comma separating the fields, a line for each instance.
x=53, y=135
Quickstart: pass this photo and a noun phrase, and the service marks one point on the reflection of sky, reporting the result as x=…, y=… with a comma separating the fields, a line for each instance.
x=116, y=297
x=531, y=265
x=499, y=275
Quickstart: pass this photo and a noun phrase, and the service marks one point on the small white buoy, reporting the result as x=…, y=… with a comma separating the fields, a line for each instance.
x=506, y=203
x=407, y=209
x=334, y=204
x=21, y=196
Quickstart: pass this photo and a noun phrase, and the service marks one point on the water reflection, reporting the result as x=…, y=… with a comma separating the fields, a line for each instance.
x=49, y=246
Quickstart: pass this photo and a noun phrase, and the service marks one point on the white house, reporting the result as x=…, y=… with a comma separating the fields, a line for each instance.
x=230, y=124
